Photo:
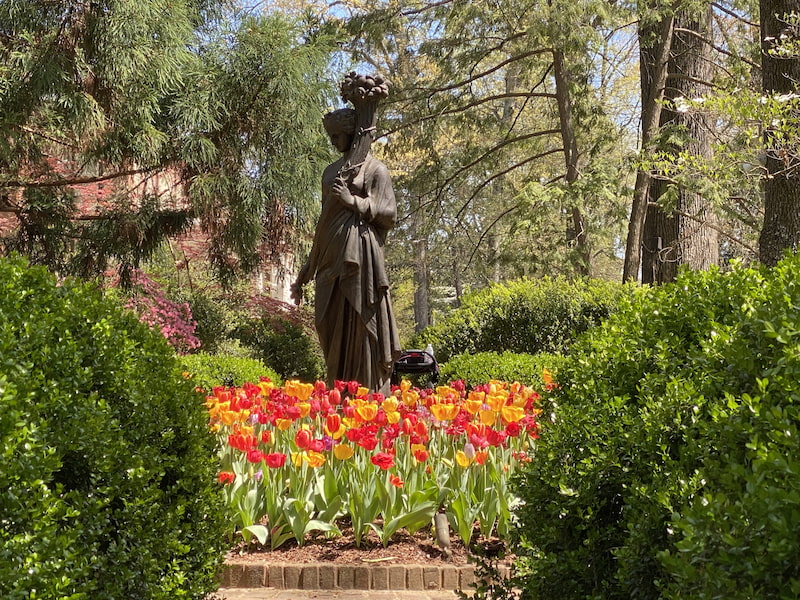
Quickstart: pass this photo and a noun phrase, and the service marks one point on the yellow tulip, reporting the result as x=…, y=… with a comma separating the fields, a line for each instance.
x=297, y=459
x=410, y=398
x=266, y=387
x=444, y=412
x=290, y=387
x=228, y=417
x=499, y=385
x=393, y=417
x=495, y=401
x=342, y=451
x=473, y=406
x=304, y=408
x=283, y=424
x=462, y=459
x=314, y=459
x=390, y=404
x=362, y=391
x=367, y=411
x=512, y=414
x=405, y=385
x=487, y=417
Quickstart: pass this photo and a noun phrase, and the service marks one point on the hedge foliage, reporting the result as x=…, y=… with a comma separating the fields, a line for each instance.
x=283, y=345
x=209, y=371
x=522, y=316
x=672, y=466
x=476, y=369
x=107, y=478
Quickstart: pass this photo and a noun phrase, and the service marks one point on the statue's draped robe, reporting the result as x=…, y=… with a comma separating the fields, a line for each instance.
x=353, y=309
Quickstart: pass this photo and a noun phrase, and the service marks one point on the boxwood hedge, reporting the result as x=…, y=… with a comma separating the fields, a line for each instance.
x=522, y=316
x=107, y=477
x=671, y=465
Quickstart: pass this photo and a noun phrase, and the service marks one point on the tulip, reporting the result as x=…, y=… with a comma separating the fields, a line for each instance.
x=302, y=438
x=383, y=460
x=512, y=414
x=275, y=460
x=254, y=456
x=335, y=397
x=314, y=459
x=342, y=451
x=462, y=459
x=367, y=412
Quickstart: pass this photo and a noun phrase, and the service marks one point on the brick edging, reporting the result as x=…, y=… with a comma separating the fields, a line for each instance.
x=331, y=576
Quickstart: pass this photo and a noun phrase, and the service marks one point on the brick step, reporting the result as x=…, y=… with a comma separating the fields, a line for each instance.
x=330, y=576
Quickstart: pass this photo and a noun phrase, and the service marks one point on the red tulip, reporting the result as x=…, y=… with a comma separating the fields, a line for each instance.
x=302, y=439
x=383, y=460
x=275, y=460
x=254, y=456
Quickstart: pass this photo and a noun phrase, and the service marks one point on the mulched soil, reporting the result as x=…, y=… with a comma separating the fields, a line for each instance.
x=404, y=549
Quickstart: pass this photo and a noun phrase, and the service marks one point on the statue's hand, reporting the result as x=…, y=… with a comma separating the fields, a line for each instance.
x=341, y=192
x=296, y=291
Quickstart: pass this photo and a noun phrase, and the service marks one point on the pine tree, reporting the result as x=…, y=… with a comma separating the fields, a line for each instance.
x=126, y=121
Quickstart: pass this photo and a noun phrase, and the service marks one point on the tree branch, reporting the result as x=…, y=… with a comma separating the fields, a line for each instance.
x=738, y=17
x=504, y=172
x=497, y=67
x=495, y=149
x=486, y=232
x=719, y=49
x=75, y=180
x=467, y=106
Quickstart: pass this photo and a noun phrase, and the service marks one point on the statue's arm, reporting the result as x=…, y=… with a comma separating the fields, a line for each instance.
x=379, y=206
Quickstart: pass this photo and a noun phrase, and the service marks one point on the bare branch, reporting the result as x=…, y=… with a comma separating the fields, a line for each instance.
x=713, y=226
x=495, y=149
x=485, y=233
x=719, y=49
x=425, y=8
x=467, y=106
x=505, y=172
x=497, y=67
x=736, y=16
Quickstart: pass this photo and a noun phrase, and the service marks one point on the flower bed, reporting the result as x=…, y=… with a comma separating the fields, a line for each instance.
x=303, y=458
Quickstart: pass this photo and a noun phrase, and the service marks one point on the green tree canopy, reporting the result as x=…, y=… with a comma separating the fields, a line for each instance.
x=124, y=121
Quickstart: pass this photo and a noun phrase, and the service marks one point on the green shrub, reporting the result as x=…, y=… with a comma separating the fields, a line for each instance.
x=522, y=316
x=107, y=481
x=475, y=369
x=209, y=371
x=670, y=467
x=283, y=342
x=212, y=318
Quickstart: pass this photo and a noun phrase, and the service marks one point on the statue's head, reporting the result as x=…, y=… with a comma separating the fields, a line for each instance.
x=341, y=127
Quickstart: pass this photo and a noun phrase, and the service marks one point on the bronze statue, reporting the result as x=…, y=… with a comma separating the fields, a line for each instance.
x=353, y=309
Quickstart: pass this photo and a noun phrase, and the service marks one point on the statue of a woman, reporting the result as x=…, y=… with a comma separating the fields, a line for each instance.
x=353, y=310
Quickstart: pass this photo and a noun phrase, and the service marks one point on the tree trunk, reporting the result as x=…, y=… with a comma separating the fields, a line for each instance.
x=577, y=234
x=422, y=313
x=653, y=83
x=685, y=234
x=781, y=228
